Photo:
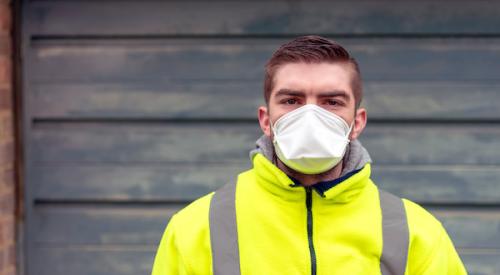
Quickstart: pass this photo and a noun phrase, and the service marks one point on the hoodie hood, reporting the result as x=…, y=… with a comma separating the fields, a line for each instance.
x=355, y=158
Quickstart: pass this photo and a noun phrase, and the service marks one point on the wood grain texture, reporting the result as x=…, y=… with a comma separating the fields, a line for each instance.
x=118, y=240
x=102, y=225
x=148, y=182
x=395, y=144
x=123, y=260
x=469, y=228
x=129, y=120
x=156, y=99
x=264, y=18
x=139, y=260
x=481, y=262
x=223, y=59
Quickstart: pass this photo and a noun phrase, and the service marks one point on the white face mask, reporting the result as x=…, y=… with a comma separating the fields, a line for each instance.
x=310, y=139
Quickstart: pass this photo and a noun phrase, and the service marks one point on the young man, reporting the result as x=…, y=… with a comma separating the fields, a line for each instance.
x=308, y=205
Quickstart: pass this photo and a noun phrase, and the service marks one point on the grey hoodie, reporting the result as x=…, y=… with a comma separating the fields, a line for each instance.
x=355, y=157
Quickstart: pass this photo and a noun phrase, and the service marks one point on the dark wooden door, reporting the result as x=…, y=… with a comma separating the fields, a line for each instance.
x=134, y=108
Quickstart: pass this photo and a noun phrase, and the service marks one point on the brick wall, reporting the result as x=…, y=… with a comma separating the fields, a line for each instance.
x=7, y=156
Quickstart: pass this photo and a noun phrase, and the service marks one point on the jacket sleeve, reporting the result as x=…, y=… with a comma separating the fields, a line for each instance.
x=431, y=250
x=442, y=259
x=168, y=260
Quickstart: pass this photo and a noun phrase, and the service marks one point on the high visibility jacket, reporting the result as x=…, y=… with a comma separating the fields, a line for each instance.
x=272, y=215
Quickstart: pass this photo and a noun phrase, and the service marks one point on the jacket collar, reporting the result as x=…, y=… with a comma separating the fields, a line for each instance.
x=356, y=169
x=341, y=190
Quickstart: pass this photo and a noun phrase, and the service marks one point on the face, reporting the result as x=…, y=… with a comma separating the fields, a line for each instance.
x=327, y=85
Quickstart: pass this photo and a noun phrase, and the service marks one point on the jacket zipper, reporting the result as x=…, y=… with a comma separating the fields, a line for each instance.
x=310, y=229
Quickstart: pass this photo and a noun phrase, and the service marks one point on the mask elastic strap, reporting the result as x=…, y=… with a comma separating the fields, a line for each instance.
x=350, y=129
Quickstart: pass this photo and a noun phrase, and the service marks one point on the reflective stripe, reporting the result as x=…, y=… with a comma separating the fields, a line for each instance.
x=395, y=235
x=224, y=235
x=223, y=232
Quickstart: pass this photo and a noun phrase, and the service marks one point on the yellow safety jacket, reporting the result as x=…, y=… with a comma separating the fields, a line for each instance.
x=272, y=216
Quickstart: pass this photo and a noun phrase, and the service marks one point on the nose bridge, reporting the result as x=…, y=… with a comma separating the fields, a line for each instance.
x=311, y=98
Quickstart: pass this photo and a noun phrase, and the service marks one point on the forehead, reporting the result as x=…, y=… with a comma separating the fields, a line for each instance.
x=314, y=77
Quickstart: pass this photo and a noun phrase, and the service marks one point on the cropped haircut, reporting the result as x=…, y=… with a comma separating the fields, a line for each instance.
x=312, y=49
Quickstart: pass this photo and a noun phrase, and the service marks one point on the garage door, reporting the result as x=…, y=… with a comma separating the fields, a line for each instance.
x=132, y=109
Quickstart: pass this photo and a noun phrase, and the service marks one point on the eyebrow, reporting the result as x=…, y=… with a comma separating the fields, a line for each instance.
x=284, y=92
x=337, y=93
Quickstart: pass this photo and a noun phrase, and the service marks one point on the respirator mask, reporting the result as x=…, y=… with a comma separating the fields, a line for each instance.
x=310, y=139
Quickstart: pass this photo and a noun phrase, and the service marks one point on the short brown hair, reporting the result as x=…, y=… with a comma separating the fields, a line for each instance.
x=311, y=49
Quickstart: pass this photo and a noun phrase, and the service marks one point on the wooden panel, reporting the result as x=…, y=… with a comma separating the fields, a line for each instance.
x=102, y=224
x=118, y=240
x=132, y=182
x=144, y=142
x=142, y=225
x=111, y=260
x=117, y=260
x=441, y=184
x=481, y=262
x=425, y=184
x=154, y=99
x=78, y=236
x=475, y=144
x=223, y=59
x=471, y=228
x=202, y=100
x=264, y=17
x=103, y=192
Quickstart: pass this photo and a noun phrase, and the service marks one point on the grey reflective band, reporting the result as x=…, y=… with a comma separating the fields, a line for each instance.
x=224, y=234
x=223, y=231
x=395, y=235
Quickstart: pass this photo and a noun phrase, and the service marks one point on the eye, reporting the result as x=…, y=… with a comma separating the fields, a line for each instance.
x=332, y=102
x=291, y=101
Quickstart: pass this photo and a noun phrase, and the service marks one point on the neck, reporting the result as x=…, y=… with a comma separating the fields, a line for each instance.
x=309, y=180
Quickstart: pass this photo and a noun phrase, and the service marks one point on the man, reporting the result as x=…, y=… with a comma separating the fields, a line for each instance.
x=308, y=205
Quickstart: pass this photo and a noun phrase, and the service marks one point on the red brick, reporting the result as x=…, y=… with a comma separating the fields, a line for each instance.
x=6, y=99
x=5, y=45
x=6, y=152
x=5, y=69
x=5, y=17
x=6, y=127
x=3, y=259
x=11, y=255
x=6, y=177
x=7, y=231
x=3, y=229
x=7, y=204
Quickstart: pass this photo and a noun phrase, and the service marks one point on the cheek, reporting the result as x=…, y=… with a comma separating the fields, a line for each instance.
x=348, y=118
x=275, y=113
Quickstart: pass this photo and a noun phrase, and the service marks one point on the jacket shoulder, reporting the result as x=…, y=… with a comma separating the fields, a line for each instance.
x=186, y=240
x=194, y=215
x=418, y=217
x=431, y=250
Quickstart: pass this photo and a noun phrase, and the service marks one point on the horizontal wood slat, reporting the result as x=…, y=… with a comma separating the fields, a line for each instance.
x=432, y=100
x=129, y=183
x=224, y=59
x=117, y=260
x=135, y=108
x=93, y=260
x=143, y=225
x=263, y=18
x=230, y=143
x=76, y=236
x=102, y=225
x=481, y=262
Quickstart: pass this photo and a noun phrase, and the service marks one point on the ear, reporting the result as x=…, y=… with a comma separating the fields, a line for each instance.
x=360, y=120
x=264, y=122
